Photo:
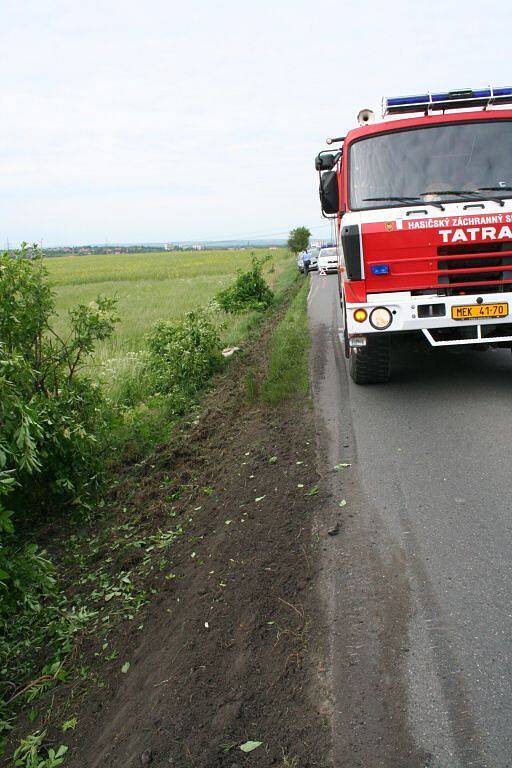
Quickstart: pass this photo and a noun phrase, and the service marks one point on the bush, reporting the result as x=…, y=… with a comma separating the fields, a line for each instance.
x=23, y=574
x=182, y=357
x=249, y=291
x=50, y=416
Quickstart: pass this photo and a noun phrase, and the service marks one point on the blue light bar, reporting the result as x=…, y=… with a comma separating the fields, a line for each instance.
x=380, y=269
x=461, y=99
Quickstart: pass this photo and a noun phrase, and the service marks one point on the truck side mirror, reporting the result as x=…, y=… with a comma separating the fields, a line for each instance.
x=329, y=196
x=325, y=162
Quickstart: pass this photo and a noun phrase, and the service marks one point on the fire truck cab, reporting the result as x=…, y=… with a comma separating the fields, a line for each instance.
x=423, y=203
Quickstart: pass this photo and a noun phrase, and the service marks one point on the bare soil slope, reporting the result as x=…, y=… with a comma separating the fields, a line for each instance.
x=231, y=646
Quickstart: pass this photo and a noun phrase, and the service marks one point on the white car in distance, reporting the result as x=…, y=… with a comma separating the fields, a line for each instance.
x=328, y=260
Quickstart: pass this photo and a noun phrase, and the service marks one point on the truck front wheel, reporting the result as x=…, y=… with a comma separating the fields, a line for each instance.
x=371, y=364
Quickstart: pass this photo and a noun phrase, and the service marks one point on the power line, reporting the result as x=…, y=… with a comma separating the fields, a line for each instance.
x=259, y=236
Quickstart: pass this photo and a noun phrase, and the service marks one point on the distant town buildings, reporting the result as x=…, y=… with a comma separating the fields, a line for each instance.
x=84, y=250
x=176, y=247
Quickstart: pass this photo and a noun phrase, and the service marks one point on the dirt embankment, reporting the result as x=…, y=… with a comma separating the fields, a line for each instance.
x=230, y=648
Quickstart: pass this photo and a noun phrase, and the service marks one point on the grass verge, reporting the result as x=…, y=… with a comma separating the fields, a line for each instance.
x=289, y=346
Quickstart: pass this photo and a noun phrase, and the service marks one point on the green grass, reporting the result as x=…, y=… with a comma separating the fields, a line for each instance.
x=151, y=287
x=289, y=347
x=155, y=267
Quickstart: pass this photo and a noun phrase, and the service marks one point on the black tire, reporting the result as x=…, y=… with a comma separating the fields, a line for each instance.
x=371, y=364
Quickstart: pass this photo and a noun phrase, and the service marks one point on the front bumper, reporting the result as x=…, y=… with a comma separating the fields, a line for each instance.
x=432, y=315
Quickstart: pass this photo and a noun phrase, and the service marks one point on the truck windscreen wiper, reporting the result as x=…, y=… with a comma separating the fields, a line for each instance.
x=464, y=193
x=405, y=200
x=495, y=189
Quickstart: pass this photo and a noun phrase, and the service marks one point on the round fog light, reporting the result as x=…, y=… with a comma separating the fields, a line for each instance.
x=381, y=318
x=360, y=315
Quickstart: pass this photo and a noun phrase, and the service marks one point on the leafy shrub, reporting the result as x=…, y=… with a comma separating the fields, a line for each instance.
x=50, y=417
x=249, y=291
x=182, y=357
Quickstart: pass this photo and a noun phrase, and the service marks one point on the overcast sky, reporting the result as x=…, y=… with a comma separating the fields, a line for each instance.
x=156, y=120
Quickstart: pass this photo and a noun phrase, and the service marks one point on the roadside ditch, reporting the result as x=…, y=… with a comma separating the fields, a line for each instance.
x=207, y=645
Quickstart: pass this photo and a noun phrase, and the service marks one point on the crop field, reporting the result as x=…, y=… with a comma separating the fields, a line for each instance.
x=151, y=287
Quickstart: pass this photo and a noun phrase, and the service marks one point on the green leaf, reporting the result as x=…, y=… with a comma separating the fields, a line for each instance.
x=342, y=466
x=250, y=745
x=125, y=667
x=343, y=503
x=69, y=725
x=313, y=491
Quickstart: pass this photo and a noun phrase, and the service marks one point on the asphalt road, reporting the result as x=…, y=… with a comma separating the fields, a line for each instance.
x=419, y=579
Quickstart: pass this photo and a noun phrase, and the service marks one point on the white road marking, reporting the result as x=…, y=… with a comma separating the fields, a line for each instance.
x=312, y=289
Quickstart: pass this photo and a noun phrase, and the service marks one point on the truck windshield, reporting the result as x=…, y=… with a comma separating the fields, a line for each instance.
x=440, y=163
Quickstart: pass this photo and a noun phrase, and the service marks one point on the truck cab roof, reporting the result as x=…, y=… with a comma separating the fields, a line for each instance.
x=423, y=121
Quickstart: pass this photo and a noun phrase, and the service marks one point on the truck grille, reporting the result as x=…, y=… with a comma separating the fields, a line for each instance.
x=474, y=267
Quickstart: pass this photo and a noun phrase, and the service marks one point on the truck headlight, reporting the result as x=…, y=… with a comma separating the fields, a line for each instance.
x=381, y=318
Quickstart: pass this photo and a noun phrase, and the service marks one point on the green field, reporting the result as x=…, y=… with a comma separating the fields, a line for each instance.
x=151, y=287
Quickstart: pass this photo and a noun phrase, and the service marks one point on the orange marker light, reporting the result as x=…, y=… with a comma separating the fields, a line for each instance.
x=360, y=315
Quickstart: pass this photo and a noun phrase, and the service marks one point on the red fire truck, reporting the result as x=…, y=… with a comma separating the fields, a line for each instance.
x=423, y=202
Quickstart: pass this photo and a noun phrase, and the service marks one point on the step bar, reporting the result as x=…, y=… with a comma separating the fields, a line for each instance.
x=477, y=340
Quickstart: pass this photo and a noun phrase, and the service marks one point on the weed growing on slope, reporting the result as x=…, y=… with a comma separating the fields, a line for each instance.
x=30, y=753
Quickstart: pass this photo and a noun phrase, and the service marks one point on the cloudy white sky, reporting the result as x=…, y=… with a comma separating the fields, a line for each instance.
x=161, y=120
